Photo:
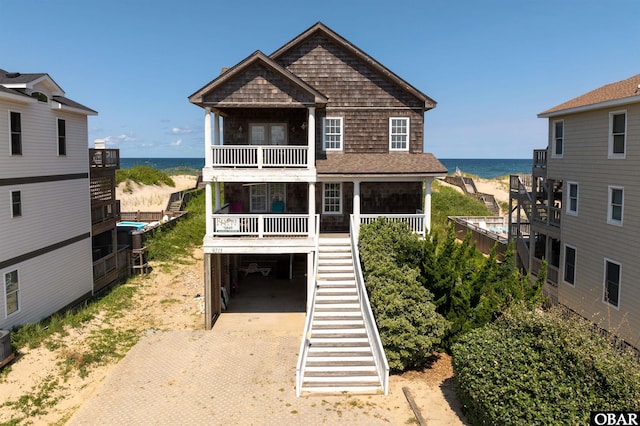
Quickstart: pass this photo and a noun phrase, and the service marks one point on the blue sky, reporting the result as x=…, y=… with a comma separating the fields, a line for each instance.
x=491, y=65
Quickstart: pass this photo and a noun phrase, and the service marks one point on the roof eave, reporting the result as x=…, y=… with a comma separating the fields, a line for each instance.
x=584, y=108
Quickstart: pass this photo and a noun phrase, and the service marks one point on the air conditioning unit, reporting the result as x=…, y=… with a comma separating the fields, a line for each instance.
x=6, y=354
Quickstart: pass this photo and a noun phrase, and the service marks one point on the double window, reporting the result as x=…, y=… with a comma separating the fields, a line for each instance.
x=572, y=198
x=268, y=134
x=332, y=198
x=268, y=197
x=399, y=134
x=558, y=139
x=570, y=265
x=332, y=135
x=11, y=295
x=15, y=124
x=612, y=281
x=615, y=210
x=62, y=137
x=617, y=134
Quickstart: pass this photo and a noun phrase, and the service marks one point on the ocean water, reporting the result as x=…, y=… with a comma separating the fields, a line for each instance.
x=482, y=167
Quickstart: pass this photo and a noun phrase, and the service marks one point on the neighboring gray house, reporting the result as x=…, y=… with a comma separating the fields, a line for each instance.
x=45, y=219
x=583, y=207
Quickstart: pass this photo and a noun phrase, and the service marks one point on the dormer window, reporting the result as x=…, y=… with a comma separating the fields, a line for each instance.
x=41, y=97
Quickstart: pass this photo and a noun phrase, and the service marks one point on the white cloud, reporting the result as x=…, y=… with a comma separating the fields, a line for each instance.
x=176, y=143
x=181, y=131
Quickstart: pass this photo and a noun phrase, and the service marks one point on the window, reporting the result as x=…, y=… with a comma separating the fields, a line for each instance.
x=62, y=137
x=398, y=134
x=332, y=198
x=572, y=198
x=617, y=134
x=16, y=132
x=569, y=265
x=558, y=138
x=268, y=134
x=612, y=277
x=267, y=197
x=11, y=288
x=16, y=204
x=615, y=212
x=332, y=135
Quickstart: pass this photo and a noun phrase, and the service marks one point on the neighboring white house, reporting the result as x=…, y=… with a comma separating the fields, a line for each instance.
x=45, y=219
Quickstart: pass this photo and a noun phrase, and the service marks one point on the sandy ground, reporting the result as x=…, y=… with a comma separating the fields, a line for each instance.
x=151, y=198
x=170, y=299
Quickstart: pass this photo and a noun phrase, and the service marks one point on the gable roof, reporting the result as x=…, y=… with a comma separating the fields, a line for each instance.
x=361, y=55
x=618, y=93
x=256, y=58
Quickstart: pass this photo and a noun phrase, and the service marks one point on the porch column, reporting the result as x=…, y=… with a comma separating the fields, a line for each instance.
x=217, y=189
x=216, y=129
x=311, y=138
x=427, y=205
x=356, y=202
x=312, y=209
x=208, y=152
x=208, y=209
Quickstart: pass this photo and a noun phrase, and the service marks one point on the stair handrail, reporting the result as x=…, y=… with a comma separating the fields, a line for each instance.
x=379, y=357
x=305, y=342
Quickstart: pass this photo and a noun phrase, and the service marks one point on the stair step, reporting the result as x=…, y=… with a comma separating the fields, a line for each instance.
x=322, y=269
x=369, y=368
x=339, y=357
x=331, y=362
x=338, y=332
x=339, y=298
x=341, y=315
x=341, y=387
x=336, y=282
x=340, y=350
x=343, y=323
x=355, y=379
x=330, y=291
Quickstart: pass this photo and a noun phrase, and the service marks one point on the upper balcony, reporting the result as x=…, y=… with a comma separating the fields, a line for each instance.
x=539, y=162
x=104, y=158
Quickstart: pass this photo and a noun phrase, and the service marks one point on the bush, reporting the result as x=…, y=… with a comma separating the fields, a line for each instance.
x=537, y=367
x=409, y=326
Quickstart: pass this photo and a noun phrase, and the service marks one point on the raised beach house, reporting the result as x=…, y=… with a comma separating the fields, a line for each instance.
x=45, y=221
x=314, y=139
x=581, y=211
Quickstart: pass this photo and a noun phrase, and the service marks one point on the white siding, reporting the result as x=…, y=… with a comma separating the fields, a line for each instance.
x=52, y=212
x=586, y=162
x=49, y=282
x=39, y=142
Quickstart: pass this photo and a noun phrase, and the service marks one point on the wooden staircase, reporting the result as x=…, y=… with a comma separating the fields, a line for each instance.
x=339, y=357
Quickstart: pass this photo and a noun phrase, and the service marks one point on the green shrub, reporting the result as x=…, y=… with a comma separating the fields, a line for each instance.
x=144, y=175
x=537, y=367
x=409, y=326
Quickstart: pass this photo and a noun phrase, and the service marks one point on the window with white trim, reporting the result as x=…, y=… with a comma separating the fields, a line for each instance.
x=558, y=139
x=15, y=124
x=612, y=282
x=572, y=198
x=332, y=198
x=399, y=134
x=332, y=134
x=617, y=134
x=615, y=211
x=11, y=292
x=62, y=137
x=16, y=204
x=569, y=264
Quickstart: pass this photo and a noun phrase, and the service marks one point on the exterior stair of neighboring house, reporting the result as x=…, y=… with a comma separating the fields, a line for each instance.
x=339, y=357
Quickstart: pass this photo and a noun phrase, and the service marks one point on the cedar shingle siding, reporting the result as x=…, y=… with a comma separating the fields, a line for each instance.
x=259, y=84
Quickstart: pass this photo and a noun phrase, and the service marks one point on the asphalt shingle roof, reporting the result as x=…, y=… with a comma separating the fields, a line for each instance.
x=611, y=92
x=401, y=163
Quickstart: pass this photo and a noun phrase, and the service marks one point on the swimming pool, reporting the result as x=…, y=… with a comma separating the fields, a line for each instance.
x=139, y=226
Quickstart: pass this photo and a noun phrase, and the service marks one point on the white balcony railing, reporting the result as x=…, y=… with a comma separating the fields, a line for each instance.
x=261, y=225
x=415, y=221
x=260, y=156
